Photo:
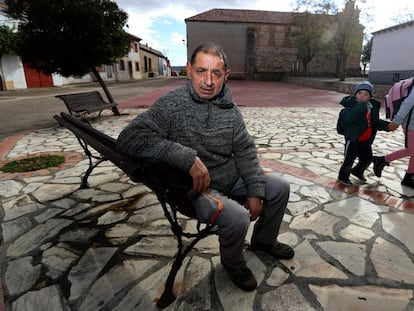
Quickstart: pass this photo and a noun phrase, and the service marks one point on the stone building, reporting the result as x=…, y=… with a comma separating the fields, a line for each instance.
x=153, y=62
x=258, y=44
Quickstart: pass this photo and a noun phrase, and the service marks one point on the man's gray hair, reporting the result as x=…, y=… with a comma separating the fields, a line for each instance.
x=210, y=48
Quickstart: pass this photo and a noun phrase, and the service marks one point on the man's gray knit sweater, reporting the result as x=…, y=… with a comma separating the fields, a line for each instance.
x=181, y=126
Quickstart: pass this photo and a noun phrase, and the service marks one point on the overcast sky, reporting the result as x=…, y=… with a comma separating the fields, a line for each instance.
x=161, y=25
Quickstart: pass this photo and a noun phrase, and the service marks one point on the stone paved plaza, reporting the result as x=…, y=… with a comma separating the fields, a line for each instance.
x=110, y=247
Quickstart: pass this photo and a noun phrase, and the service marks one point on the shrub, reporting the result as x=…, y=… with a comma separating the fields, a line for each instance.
x=32, y=164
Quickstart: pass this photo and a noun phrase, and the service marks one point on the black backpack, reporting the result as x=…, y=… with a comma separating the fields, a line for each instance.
x=340, y=124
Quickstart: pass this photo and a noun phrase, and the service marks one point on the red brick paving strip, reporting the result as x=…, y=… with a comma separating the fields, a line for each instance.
x=367, y=194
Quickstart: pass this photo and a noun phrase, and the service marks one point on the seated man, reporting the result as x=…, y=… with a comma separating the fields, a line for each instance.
x=199, y=129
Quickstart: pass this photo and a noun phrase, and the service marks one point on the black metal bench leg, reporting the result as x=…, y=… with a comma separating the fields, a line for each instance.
x=91, y=167
x=168, y=295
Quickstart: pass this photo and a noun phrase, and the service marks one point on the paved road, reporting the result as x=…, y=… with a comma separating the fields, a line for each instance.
x=23, y=110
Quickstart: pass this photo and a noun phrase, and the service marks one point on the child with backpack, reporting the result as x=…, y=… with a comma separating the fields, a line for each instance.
x=360, y=122
x=403, y=117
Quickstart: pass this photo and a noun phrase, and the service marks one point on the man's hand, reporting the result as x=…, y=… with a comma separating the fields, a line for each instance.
x=200, y=175
x=392, y=126
x=255, y=206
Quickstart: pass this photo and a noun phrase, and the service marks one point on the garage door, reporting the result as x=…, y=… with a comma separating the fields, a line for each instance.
x=36, y=78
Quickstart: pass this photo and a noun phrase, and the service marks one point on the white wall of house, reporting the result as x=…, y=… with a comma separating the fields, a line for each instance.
x=107, y=73
x=110, y=72
x=129, y=67
x=164, y=71
x=134, y=58
x=14, y=76
x=13, y=71
x=392, y=50
x=59, y=80
x=392, y=54
x=123, y=74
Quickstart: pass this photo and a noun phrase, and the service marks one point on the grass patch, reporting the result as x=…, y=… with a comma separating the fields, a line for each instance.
x=32, y=164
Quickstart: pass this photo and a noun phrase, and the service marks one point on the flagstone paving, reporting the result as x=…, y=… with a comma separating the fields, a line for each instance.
x=109, y=247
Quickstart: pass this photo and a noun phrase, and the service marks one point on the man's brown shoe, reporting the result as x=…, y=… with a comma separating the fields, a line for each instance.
x=277, y=250
x=241, y=276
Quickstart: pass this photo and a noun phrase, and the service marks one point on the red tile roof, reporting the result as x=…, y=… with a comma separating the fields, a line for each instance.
x=243, y=16
x=133, y=37
x=149, y=49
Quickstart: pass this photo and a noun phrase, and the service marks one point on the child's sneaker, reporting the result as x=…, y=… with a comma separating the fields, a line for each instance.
x=345, y=181
x=358, y=175
x=408, y=180
x=379, y=164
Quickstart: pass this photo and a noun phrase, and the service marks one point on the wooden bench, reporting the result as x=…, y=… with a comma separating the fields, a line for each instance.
x=80, y=104
x=170, y=184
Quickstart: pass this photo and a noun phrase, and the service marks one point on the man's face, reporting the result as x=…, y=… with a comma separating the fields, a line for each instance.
x=207, y=75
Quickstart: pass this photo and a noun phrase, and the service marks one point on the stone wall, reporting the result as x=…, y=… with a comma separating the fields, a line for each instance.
x=332, y=84
x=275, y=52
x=386, y=77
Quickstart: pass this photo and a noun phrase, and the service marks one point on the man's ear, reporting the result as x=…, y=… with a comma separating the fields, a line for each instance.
x=188, y=69
x=226, y=75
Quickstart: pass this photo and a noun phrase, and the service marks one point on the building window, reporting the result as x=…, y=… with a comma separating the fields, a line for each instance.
x=136, y=47
x=150, y=64
x=121, y=65
x=145, y=64
x=136, y=66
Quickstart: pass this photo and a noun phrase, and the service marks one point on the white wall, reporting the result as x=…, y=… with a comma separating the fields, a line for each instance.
x=393, y=50
x=59, y=80
x=13, y=72
x=134, y=57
